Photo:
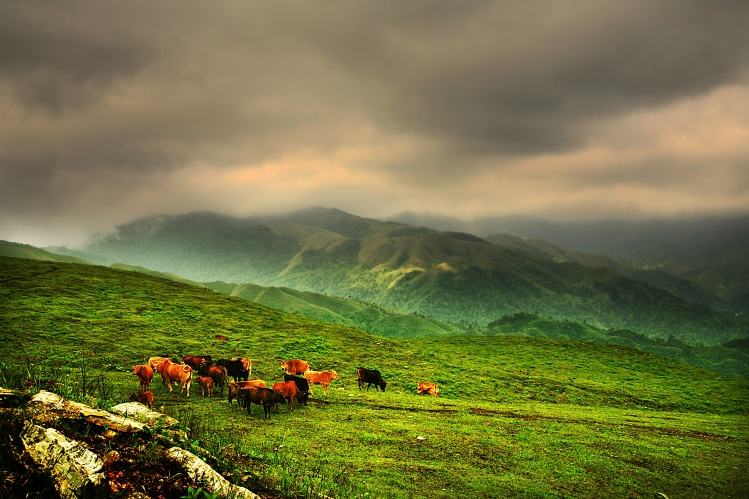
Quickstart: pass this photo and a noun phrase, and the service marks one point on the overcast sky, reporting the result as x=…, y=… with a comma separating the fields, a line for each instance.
x=113, y=110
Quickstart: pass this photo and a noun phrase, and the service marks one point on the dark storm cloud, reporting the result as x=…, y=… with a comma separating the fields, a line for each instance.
x=133, y=91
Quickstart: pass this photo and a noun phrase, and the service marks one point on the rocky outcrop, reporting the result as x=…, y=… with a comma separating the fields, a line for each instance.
x=140, y=412
x=88, y=452
x=75, y=470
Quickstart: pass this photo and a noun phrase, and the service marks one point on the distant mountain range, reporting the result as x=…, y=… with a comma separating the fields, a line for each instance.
x=448, y=276
x=712, y=252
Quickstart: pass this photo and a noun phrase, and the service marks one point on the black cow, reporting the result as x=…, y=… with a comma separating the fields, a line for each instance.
x=302, y=386
x=370, y=376
x=235, y=368
x=261, y=396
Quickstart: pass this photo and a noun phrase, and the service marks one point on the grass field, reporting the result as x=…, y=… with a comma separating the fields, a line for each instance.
x=518, y=416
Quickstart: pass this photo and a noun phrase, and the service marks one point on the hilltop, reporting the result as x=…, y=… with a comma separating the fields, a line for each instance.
x=447, y=276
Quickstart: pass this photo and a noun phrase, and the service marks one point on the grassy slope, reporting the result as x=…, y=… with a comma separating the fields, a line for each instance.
x=518, y=415
x=18, y=250
x=729, y=360
x=348, y=312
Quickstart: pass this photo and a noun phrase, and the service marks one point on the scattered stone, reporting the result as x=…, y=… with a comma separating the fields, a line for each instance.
x=57, y=406
x=74, y=469
x=205, y=476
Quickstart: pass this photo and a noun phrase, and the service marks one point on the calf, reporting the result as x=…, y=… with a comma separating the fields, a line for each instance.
x=206, y=385
x=236, y=386
x=171, y=373
x=219, y=375
x=294, y=366
x=302, y=386
x=237, y=368
x=287, y=391
x=323, y=378
x=144, y=374
x=424, y=388
x=145, y=398
x=261, y=396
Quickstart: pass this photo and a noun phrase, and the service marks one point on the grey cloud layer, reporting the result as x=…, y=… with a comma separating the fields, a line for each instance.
x=141, y=86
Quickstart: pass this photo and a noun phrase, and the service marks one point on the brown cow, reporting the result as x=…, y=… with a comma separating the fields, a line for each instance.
x=424, y=388
x=206, y=385
x=154, y=362
x=221, y=338
x=219, y=375
x=323, y=378
x=263, y=396
x=198, y=363
x=236, y=386
x=171, y=373
x=145, y=375
x=145, y=398
x=294, y=366
x=288, y=391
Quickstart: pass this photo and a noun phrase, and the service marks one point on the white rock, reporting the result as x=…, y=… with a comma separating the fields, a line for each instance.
x=75, y=469
x=142, y=413
x=205, y=476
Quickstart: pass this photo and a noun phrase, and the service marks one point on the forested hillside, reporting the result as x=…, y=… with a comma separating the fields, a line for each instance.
x=447, y=276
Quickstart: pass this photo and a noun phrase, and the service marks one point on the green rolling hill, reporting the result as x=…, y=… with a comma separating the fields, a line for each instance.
x=446, y=276
x=18, y=250
x=518, y=415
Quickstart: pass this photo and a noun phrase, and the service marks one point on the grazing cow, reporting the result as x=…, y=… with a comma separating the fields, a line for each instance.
x=323, y=378
x=206, y=385
x=198, y=363
x=302, y=386
x=171, y=373
x=237, y=368
x=424, y=388
x=294, y=366
x=145, y=398
x=287, y=391
x=145, y=375
x=370, y=376
x=221, y=338
x=235, y=388
x=219, y=375
x=261, y=396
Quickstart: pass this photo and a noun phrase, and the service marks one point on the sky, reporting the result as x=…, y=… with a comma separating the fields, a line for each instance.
x=565, y=109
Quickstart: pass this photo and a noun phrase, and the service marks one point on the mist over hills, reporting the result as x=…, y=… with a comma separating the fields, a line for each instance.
x=449, y=276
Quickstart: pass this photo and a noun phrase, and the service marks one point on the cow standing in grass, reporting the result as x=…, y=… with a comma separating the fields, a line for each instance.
x=287, y=391
x=370, y=376
x=323, y=378
x=302, y=386
x=173, y=373
x=425, y=388
x=295, y=366
x=235, y=389
x=261, y=396
x=144, y=374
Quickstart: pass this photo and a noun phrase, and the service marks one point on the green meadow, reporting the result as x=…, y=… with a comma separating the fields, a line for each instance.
x=517, y=416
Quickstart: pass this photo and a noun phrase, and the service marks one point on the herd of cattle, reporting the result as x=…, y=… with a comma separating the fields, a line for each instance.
x=245, y=390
